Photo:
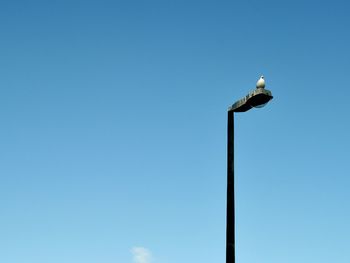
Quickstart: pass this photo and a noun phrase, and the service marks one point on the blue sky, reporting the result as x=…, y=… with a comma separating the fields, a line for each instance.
x=113, y=131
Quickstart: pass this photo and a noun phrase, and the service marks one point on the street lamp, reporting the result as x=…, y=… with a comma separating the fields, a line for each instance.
x=255, y=99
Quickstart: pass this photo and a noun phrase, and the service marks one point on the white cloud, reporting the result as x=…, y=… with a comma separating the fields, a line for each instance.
x=141, y=255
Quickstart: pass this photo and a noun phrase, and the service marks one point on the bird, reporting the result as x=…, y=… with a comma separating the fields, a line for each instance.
x=260, y=84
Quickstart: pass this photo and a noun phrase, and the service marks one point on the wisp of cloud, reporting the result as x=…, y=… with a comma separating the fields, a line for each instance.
x=141, y=255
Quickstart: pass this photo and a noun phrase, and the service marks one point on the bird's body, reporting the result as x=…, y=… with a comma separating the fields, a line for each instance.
x=261, y=83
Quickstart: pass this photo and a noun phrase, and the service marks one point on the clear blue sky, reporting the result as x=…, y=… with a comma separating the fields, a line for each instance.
x=113, y=130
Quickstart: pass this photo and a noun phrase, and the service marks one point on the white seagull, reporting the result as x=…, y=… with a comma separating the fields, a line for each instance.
x=261, y=83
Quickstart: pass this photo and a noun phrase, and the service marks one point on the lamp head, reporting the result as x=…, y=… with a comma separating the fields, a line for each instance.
x=255, y=99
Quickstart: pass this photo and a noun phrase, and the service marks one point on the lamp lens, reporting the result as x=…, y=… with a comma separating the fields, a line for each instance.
x=260, y=106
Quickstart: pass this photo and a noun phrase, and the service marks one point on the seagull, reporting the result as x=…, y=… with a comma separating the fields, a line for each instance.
x=261, y=83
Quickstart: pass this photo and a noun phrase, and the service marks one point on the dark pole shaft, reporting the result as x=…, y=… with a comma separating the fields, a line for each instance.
x=230, y=216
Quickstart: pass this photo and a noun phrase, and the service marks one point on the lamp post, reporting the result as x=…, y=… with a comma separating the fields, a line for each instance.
x=255, y=99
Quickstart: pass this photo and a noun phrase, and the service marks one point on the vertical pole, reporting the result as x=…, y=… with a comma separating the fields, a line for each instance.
x=230, y=216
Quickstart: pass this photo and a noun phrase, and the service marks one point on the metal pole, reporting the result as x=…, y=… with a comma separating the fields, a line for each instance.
x=230, y=216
